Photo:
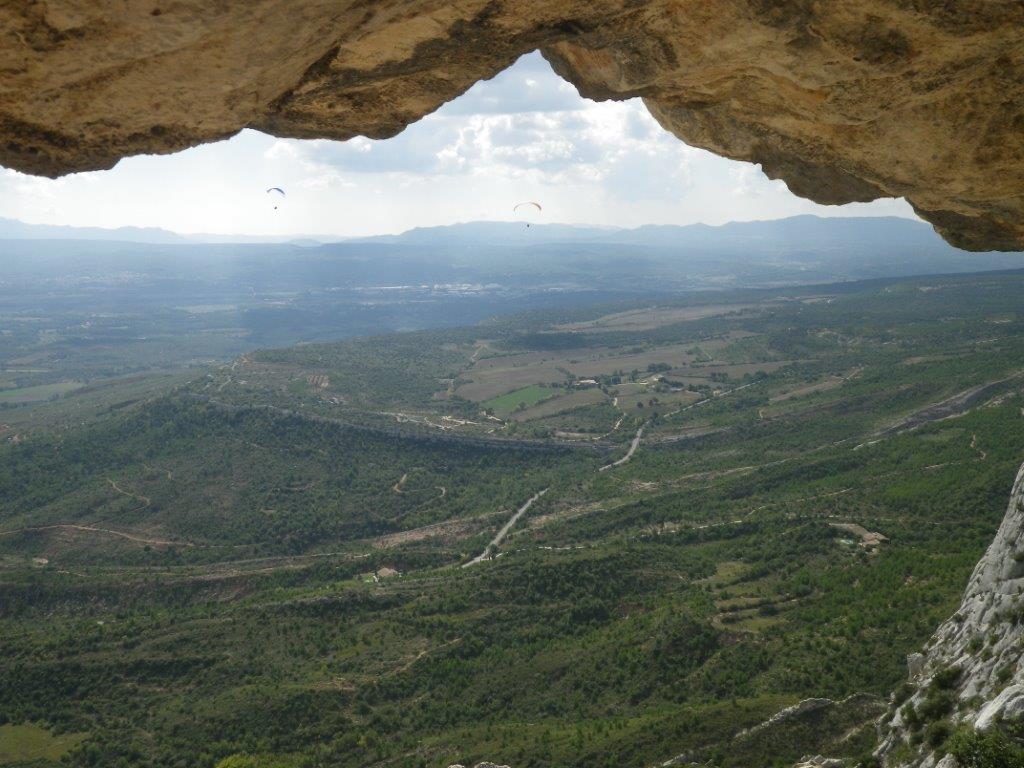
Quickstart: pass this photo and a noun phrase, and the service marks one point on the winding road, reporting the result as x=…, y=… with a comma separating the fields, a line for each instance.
x=629, y=454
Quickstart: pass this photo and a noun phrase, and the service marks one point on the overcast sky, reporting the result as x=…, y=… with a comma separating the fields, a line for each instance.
x=525, y=135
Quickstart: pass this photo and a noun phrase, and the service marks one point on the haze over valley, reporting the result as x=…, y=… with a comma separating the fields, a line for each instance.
x=75, y=311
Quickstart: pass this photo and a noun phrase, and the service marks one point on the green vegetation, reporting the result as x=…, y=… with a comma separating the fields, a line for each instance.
x=519, y=399
x=38, y=392
x=988, y=749
x=261, y=567
x=31, y=744
x=261, y=761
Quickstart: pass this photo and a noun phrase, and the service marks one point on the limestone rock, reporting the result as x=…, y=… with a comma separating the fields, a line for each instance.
x=817, y=761
x=1009, y=705
x=844, y=101
x=915, y=665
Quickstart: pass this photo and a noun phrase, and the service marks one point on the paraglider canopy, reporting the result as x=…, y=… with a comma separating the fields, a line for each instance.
x=529, y=205
x=276, y=191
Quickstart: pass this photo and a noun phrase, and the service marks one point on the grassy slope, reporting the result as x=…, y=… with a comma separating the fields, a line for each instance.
x=31, y=744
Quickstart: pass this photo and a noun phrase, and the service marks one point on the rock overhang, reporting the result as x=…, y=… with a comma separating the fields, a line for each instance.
x=843, y=101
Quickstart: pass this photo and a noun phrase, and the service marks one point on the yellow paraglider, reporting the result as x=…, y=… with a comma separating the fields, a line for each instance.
x=527, y=204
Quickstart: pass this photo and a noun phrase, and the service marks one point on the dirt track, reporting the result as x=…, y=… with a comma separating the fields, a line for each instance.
x=500, y=536
x=629, y=454
x=92, y=529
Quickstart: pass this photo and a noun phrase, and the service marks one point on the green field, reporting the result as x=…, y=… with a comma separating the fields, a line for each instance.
x=38, y=392
x=31, y=744
x=526, y=396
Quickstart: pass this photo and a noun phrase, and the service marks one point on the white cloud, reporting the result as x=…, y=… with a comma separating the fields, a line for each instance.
x=282, y=149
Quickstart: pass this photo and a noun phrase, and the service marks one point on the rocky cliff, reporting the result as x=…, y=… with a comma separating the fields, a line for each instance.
x=844, y=101
x=970, y=673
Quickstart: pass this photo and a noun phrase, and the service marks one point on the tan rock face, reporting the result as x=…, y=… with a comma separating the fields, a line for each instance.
x=843, y=100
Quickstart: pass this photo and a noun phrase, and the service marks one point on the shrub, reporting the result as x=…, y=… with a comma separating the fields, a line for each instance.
x=946, y=679
x=867, y=760
x=910, y=716
x=988, y=749
x=936, y=734
x=937, y=705
x=902, y=693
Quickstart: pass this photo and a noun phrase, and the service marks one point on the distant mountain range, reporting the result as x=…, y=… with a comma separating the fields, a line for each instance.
x=797, y=250
x=501, y=233
x=795, y=233
x=12, y=229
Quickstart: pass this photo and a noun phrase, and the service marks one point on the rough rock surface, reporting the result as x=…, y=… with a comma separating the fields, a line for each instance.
x=844, y=101
x=817, y=761
x=975, y=656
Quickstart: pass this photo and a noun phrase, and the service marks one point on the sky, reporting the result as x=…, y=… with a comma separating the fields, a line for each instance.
x=524, y=135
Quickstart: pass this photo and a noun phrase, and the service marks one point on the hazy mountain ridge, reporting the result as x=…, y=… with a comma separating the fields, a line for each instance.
x=793, y=231
x=509, y=255
x=13, y=229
